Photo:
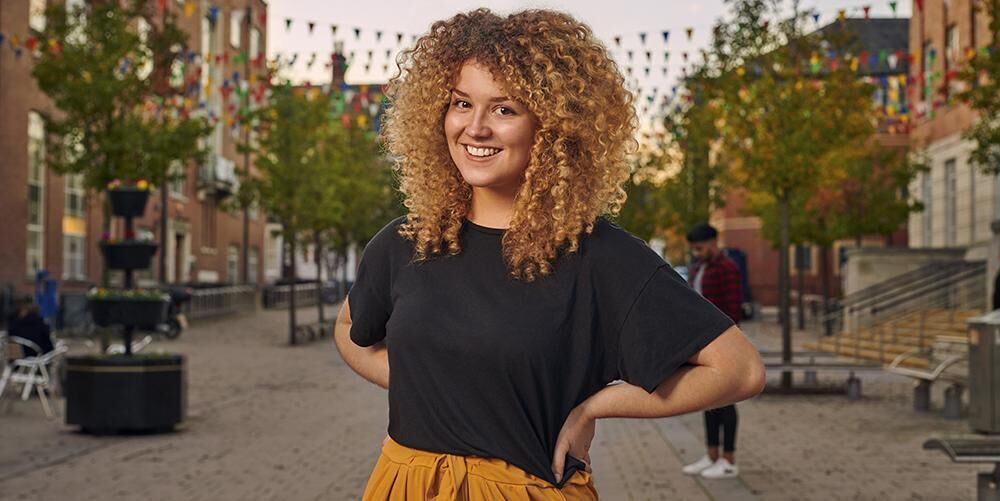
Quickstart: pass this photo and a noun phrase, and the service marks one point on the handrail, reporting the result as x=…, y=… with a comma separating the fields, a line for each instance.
x=931, y=277
x=877, y=288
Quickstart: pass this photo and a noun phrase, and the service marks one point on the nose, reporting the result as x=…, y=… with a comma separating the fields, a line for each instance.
x=478, y=125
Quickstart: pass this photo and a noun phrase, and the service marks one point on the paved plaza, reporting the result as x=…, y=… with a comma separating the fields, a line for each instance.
x=268, y=421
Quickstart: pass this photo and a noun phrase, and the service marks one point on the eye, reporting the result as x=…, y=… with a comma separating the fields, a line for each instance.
x=505, y=110
x=460, y=104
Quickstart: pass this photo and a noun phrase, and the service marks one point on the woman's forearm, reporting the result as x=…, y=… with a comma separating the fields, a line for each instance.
x=371, y=363
x=692, y=388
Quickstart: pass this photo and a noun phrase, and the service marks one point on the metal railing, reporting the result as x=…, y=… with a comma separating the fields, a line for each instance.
x=221, y=301
x=883, y=320
x=279, y=296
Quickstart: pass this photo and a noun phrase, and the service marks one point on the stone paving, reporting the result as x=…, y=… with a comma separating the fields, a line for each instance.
x=269, y=421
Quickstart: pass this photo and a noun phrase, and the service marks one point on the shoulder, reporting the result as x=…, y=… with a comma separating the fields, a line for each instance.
x=610, y=241
x=387, y=242
x=728, y=264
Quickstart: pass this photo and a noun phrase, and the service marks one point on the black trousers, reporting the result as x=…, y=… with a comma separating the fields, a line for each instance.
x=725, y=418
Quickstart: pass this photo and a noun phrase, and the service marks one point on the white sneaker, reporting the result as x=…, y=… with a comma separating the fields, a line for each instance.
x=698, y=466
x=721, y=469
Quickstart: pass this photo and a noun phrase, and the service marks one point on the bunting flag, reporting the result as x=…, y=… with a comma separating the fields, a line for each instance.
x=666, y=36
x=357, y=33
x=618, y=41
x=816, y=18
x=920, y=4
x=189, y=9
x=690, y=33
x=642, y=38
x=842, y=15
x=399, y=38
x=288, y=23
x=867, y=10
x=892, y=5
x=333, y=29
x=666, y=56
x=649, y=56
x=378, y=36
x=629, y=55
x=311, y=25
x=213, y=14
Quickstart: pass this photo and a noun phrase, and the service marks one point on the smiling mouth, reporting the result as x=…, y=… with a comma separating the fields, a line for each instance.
x=481, y=152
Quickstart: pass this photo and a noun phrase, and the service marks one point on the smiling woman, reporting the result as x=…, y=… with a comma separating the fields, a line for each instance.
x=505, y=305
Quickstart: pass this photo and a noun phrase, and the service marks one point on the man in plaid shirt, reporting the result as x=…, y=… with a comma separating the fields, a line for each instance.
x=717, y=278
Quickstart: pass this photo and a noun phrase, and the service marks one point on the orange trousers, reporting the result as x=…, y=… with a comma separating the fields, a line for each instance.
x=405, y=474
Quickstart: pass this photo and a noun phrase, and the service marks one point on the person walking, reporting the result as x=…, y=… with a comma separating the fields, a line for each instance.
x=504, y=312
x=717, y=279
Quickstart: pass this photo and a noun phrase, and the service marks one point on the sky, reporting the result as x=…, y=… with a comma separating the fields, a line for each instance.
x=608, y=19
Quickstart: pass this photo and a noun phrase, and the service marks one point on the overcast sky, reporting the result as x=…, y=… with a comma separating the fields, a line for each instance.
x=609, y=19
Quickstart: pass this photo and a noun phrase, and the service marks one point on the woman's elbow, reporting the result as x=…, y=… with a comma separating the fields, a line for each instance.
x=753, y=379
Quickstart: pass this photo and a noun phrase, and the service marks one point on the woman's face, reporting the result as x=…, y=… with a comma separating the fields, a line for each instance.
x=489, y=135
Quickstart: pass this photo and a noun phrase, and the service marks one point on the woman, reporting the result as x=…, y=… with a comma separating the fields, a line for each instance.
x=503, y=304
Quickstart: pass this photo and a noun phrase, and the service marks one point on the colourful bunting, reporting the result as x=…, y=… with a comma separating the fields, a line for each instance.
x=642, y=38
x=311, y=25
x=288, y=23
x=189, y=8
x=666, y=36
x=333, y=29
x=690, y=33
x=867, y=10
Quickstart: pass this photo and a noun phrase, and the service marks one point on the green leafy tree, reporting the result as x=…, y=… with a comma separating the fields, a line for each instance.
x=114, y=118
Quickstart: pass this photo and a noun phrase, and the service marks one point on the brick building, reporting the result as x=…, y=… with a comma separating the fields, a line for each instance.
x=881, y=46
x=50, y=223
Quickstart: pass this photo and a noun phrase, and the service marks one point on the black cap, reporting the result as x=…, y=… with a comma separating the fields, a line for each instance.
x=702, y=232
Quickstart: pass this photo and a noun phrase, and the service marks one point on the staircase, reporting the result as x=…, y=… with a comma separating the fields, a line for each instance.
x=908, y=313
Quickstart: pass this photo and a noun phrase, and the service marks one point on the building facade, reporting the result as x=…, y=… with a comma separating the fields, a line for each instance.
x=52, y=224
x=959, y=200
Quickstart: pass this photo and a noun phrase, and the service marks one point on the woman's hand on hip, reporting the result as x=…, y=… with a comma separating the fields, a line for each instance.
x=574, y=439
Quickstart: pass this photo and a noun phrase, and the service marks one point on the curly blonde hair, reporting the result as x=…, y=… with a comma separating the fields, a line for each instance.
x=585, y=121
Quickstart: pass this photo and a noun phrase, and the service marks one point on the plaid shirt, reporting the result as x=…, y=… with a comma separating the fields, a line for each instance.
x=721, y=285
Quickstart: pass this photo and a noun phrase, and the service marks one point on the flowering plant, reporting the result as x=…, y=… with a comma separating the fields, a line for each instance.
x=141, y=184
x=137, y=294
x=130, y=235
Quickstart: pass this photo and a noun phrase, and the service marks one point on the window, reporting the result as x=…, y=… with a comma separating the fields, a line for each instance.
x=927, y=70
x=208, y=224
x=142, y=29
x=252, y=259
x=235, y=28
x=950, y=203
x=972, y=203
x=951, y=58
x=74, y=193
x=232, y=264
x=178, y=180
x=74, y=257
x=36, y=193
x=925, y=197
x=254, y=43
x=36, y=14
x=802, y=258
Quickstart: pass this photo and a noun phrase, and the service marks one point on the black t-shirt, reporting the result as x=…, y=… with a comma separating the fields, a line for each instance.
x=485, y=365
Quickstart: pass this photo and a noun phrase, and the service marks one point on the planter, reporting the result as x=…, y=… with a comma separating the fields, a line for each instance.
x=108, y=311
x=128, y=202
x=128, y=255
x=115, y=394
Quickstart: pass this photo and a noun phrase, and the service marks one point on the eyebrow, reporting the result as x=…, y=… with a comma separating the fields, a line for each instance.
x=499, y=99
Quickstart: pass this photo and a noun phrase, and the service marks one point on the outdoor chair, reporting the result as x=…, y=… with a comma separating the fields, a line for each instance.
x=31, y=372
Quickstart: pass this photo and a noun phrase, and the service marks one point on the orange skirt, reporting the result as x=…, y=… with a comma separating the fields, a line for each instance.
x=402, y=473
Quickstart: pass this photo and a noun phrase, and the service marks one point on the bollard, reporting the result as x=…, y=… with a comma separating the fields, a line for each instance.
x=953, y=402
x=853, y=387
x=922, y=396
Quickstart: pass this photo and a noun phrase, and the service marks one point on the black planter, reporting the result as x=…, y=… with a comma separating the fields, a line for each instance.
x=128, y=255
x=117, y=394
x=128, y=202
x=127, y=311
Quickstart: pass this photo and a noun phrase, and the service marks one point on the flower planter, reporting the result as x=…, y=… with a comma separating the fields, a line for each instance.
x=128, y=255
x=116, y=394
x=128, y=202
x=129, y=312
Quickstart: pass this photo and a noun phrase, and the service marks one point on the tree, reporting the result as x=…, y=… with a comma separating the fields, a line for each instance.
x=780, y=121
x=116, y=119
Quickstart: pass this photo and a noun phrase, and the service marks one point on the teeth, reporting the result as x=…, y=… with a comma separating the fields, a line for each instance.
x=481, y=152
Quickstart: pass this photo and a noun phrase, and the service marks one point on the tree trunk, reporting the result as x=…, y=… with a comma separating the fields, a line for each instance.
x=163, y=232
x=319, y=277
x=783, y=294
x=824, y=262
x=291, y=296
x=800, y=300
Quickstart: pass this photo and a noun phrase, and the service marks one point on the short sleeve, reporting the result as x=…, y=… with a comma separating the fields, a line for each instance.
x=666, y=325
x=370, y=296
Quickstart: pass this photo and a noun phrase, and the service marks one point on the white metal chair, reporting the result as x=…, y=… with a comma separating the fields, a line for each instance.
x=32, y=372
x=137, y=346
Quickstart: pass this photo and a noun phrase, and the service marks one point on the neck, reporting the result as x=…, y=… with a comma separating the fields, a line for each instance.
x=491, y=208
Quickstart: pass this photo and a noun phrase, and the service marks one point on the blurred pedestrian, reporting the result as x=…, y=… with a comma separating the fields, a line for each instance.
x=28, y=324
x=717, y=279
x=504, y=305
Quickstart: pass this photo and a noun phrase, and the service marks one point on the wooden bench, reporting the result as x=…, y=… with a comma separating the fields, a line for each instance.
x=948, y=360
x=828, y=362
x=974, y=450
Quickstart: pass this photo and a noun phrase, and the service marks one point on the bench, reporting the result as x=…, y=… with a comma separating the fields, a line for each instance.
x=974, y=450
x=315, y=329
x=828, y=362
x=948, y=360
